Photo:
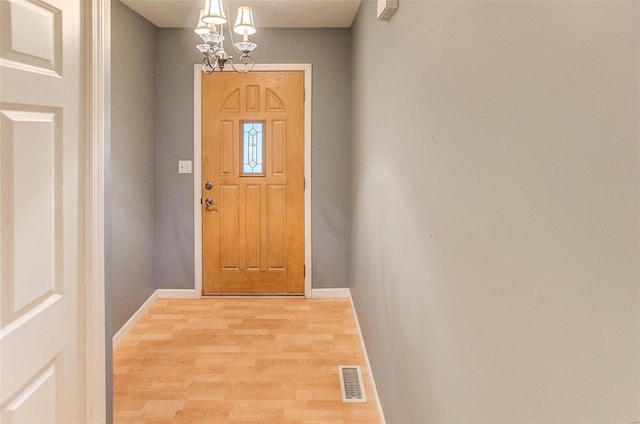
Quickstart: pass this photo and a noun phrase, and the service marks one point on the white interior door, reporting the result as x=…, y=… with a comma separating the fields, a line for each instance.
x=41, y=231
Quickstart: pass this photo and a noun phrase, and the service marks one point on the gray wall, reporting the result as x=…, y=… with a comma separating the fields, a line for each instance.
x=133, y=109
x=329, y=52
x=495, y=209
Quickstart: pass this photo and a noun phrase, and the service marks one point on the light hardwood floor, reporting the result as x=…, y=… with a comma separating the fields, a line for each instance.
x=247, y=360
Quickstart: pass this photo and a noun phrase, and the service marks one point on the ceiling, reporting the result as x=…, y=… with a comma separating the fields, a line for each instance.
x=266, y=13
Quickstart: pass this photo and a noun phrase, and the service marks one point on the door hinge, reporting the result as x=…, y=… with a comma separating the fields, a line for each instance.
x=304, y=183
x=304, y=270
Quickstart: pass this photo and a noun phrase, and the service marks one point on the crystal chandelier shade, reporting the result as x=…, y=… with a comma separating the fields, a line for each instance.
x=210, y=26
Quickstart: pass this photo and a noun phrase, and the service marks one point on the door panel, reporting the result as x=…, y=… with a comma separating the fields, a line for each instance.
x=253, y=98
x=41, y=318
x=36, y=403
x=276, y=227
x=252, y=227
x=253, y=240
x=278, y=154
x=30, y=137
x=228, y=151
x=229, y=228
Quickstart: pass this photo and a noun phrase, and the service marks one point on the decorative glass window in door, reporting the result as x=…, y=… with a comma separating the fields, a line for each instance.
x=252, y=148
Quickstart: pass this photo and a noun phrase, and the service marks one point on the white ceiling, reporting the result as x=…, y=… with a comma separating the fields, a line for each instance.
x=266, y=13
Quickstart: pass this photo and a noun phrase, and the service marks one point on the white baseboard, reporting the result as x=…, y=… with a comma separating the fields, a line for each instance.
x=176, y=293
x=158, y=294
x=366, y=361
x=337, y=293
x=124, y=330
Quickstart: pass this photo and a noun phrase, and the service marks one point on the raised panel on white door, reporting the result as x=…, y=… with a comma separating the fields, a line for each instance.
x=31, y=342
x=37, y=401
x=31, y=219
x=31, y=36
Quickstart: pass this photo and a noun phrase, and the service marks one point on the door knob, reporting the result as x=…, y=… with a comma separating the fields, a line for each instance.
x=208, y=185
x=209, y=202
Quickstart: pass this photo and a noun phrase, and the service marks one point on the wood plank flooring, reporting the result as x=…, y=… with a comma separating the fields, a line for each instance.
x=240, y=360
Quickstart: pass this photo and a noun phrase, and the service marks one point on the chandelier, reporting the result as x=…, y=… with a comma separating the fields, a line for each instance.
x=210, y=25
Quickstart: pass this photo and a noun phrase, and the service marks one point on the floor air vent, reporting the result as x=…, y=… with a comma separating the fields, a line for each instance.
x=351, y=384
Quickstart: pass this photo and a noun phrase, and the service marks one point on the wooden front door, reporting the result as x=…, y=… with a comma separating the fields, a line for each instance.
x=253, y=182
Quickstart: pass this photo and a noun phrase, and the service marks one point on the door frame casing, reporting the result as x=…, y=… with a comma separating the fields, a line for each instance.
x=97, y=135
x=197, y=168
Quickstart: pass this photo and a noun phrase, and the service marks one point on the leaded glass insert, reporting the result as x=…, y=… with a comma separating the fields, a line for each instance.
x=252, y=147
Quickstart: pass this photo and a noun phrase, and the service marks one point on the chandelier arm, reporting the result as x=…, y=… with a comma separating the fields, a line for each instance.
x=240, y=71
x=207, y=68
x=247, y=61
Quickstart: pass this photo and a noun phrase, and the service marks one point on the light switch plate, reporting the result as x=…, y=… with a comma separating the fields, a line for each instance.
x=184, y=167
